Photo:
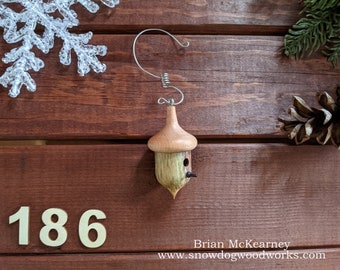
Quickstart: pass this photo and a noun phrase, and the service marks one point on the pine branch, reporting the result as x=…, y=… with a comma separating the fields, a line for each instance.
x=313, y=5
x=333, y=51
x=319, y=29
x=308, y=34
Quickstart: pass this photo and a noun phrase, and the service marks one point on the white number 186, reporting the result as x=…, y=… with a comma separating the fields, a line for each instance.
x=55, y=219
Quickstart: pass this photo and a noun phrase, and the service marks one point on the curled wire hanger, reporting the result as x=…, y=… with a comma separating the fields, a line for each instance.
x=164, y=77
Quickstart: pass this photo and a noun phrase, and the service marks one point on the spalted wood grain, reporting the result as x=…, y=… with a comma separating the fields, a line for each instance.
x=152, y=261
x=235, y=86
x=190, y=16
x=265, y=192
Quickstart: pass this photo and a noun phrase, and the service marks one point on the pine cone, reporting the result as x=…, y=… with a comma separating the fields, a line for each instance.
x=322, y=124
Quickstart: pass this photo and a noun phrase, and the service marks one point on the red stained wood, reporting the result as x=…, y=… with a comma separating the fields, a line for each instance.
x=152, y=261
x=265, y=192
x=213, y=16
x=235, y=86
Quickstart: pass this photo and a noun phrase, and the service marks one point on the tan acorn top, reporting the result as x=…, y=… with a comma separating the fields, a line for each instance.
x=172, y=138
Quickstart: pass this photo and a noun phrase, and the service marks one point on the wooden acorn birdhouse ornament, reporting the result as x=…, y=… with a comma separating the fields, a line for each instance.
x=172, y=144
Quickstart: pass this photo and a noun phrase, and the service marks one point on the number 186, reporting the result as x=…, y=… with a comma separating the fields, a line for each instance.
x=55, y=219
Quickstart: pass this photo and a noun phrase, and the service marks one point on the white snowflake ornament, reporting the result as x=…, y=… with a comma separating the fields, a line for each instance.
x=56, y=17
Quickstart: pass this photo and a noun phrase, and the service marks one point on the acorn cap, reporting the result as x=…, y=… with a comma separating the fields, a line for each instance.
x=172, y=138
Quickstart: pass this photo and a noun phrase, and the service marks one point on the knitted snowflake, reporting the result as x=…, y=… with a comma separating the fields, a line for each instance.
x=22, y=20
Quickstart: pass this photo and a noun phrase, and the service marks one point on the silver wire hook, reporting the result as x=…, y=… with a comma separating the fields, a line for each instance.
x=165, y=76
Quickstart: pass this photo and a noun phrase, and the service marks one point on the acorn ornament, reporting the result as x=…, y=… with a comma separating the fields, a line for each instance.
x=172, y=144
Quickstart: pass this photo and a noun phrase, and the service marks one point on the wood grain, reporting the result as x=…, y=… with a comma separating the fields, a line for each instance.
x=152, y=261
x=235, y=86
x=188, y=16
x=265, y=192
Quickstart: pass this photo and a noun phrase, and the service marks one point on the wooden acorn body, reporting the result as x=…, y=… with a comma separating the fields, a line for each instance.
x=172, y=146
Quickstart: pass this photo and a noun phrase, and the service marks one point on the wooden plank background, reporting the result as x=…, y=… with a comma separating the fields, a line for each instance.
x=234, y=85
x=252, y=184
x=147, y=261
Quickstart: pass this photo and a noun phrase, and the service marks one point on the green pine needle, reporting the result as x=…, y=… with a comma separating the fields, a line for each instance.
x=320, y=4
x=319, y=29
x=333, y=51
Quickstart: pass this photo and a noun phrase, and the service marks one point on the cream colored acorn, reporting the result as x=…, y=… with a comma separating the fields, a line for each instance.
x=172, y=146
